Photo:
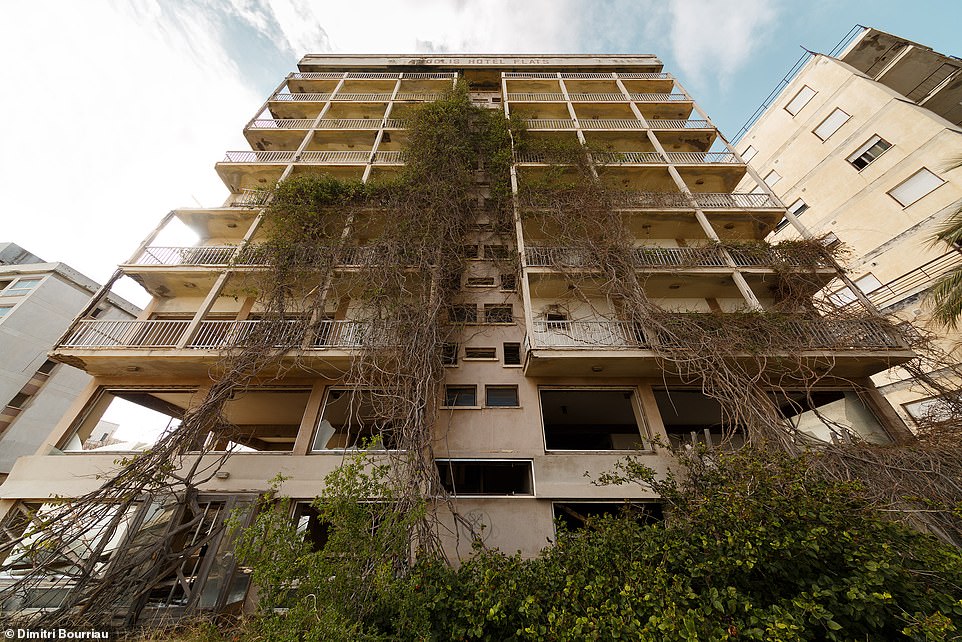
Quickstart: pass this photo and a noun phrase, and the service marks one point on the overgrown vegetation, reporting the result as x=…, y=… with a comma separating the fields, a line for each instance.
x=753, y=547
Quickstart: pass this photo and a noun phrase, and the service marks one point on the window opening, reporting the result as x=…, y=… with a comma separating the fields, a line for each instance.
x=460, y=396
x=486, y=477
x=501, y=396
x=576, y=515
x=590, y=419
x=480, y=353
x=353, y=417
x=498, y=313
x=868, y=152
x=690, y=417
x=511, y=353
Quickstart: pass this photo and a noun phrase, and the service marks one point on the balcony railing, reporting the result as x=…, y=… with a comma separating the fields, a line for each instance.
x=282, y=123
x=251, y=198
x=612, y=97
x=419, y=95
x=550, y=123
x=357, y=75
x=610, y=123
x=358, y=123
x=685, y=257
x=620, y=158
x=310, y=97
x=259, y=157
x=708, y=200
x=699, y=158
x=390, y=157
x=678, y=200
x=335, y=157
x=802, y=334
x=679, y=124
x=213, y=335
x=197, y=255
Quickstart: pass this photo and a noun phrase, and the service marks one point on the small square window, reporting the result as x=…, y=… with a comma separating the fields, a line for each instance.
x=509, y=282
x=480, y=353
x=449, y=354
x=749, y=153
x=498, y=313
x=501, y=396
x=463, y=314
x=831, y=124
x=460, y=396
x=511, y=354
x=772, y=178
x=796, y=104
x=868, y=152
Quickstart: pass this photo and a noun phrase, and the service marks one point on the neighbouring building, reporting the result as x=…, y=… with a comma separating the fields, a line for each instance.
x=547, y=388
x=860, y=147
x=38, y=302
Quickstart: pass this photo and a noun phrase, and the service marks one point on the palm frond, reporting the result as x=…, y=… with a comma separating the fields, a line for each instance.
x=946, y=296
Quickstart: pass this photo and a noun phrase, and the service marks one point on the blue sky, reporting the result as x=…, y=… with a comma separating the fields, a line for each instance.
x=116, y=110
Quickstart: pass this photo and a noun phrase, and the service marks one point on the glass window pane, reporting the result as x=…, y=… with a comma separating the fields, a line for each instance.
x=501, y=396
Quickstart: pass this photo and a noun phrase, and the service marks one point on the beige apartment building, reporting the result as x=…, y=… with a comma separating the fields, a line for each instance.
x=548, y=386
x=860, y=146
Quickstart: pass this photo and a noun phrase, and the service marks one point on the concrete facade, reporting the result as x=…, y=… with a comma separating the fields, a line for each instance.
x=39, y=301
x=896, y=105
x=547, y=389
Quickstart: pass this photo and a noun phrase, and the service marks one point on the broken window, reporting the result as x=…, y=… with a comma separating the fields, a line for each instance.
x=576, y=515
x=830, y=415
x=353, y=418
x=309, y=524
x=590, y=419
x=261, y=420
x=125, y=419
x=691, y=417
x=486, y=477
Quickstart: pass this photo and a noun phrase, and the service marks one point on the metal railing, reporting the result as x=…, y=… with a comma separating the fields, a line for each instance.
x=550, y=123
x=258, y=157
x=282, y=123
x=678, y=124
x=530, y=75
x=660, y=98
x=316, y=75
x=915, y=281
x=610, y=123
x=801, y=334
x=96, y=333
x=311, y=97
x=348, y=157
x=374, y=97
x=251, y=198
x=197, y=255
x=390, y=157
x=418, y=95
x=380, y=75
x=698, y=158
x=711, y=200
x=618, y=158
x=215, y=334
x=543, y=97
x=761, y=256
x=349, y=123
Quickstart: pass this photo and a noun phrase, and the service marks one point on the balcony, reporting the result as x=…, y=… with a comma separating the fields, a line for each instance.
x=604, y=347
x=106, y=347
x=675, y=258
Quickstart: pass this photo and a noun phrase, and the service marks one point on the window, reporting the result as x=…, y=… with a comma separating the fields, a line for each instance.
x=509, y=282
x=772, y=178
x=590, y=419
x=480, y=353
x=5, y=310
x=576, y=515
x=831, y=124
x=749, y=153
x=829, y=415
x=479, y=282
x=795, y=208
x=831, y=241
x=449, y=354
x=915, y=187
x=511, y=354
x=501, y=396
x=469, y=251
x=934, y=410
x=486, y=477
x=868, y=152
x=21, y=286
x=351, y=418
x=19, y=400
x=47, y=367
x=460, y=396
x=495, y=251
x=463, y=314
x=691, y=417
x=498, y=313
x=801, y=99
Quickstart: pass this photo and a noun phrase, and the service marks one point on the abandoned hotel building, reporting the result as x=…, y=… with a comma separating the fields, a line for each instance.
x=548, y=383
